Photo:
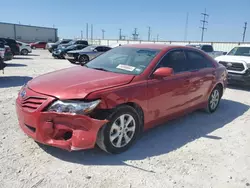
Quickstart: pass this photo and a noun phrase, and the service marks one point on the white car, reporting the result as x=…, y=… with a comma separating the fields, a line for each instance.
x=237, y=62
x=24, y=48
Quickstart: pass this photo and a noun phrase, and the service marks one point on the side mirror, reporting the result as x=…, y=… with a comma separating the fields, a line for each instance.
x=224, y=53
x=95, y=50
x=163, y=72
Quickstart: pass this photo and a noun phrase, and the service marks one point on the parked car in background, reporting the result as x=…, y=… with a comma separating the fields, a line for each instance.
x=115, y=97
x=61, y=52
x=54, y=46
x=25, y=48
x=83, y=42
x=39, y=44
x=2, y=51
x=237, y=63
x=12, y=44
x=208, y=49
x=86, y=54
x=8, y=54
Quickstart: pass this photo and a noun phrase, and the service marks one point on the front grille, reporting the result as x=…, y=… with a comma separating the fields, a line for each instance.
x=32, y=103
x=233, y=66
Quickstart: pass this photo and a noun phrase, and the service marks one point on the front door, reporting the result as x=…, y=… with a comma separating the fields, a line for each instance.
x=169, y=95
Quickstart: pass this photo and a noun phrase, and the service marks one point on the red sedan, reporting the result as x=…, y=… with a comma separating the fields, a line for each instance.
x=112, y=99
x=38, y=44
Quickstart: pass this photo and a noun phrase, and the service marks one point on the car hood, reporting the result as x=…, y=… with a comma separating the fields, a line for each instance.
x=76, y=82
x=233, y=58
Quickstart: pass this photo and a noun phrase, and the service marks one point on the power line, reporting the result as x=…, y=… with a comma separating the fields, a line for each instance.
x=244, y=33
x=186, y=28
x=149, y=32
x=87, y=31
x=203, y=28
x=135, y=34
x=120, y=34
x=103, y=31
x=92, y=33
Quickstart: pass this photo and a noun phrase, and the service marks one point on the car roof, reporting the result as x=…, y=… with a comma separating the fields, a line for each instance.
x=155, y=46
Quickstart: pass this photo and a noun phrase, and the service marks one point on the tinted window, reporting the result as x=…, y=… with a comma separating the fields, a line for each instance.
x=197, y=61
x=175, y=60
x=82, y=42
x=207, y=48
x=106, y=49
x=100, y=49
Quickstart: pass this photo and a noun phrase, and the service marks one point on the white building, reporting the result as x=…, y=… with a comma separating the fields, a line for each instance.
x=27, y=33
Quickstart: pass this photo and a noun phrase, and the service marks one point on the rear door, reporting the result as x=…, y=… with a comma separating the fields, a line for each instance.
x=202, y=76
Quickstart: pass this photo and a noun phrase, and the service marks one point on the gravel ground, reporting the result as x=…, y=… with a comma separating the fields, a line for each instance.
x=198, y=150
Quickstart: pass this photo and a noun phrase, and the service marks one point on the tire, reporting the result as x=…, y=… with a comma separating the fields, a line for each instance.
x=24, y=52
x=83, y=59
x=214, y=100
x=111, y=137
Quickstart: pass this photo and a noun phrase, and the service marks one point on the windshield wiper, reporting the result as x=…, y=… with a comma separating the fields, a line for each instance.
x=99, y=68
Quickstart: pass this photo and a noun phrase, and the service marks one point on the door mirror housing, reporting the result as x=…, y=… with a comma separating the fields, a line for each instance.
x=163, y=72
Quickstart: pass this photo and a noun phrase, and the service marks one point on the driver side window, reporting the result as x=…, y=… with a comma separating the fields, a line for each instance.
x=176, y=60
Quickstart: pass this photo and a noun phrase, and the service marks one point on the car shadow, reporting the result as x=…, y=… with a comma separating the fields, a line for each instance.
x=238, y=87
x=15, y=65
x=13, y=81
x=33, y=55
x=22, y=57
x=162, y=139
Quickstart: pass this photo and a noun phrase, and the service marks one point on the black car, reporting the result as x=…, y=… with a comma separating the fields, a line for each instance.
x=2, y=50
x=12, y=44
x=7, y=54
x=54, y=46
x=62, y=50
x=86, y=54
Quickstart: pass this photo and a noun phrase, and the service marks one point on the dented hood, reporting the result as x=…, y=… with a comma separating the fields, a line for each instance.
x=76, y=82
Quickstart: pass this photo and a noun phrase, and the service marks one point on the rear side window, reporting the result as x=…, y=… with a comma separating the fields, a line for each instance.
x=207, y=48
x=100, y=49
x=197, y=61
x=175, y=60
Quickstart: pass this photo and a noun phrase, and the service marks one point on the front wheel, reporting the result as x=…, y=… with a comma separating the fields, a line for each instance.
x=83, y=59
x=214, y=100
x=24, y=52
x=120, y=132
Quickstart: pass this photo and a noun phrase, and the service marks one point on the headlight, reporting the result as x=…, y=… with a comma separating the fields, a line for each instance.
x=73, y=107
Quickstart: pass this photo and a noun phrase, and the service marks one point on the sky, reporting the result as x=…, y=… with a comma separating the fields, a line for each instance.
x=166, y=18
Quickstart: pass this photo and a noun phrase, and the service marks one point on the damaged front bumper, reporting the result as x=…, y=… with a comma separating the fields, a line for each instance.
x=65, y=131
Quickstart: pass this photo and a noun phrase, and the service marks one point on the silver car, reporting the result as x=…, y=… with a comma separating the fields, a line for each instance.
x=86, y=54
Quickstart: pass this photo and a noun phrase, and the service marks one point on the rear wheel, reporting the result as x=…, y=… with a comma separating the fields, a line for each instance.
x=83, y=59
x=120, y=132
x=24, y=52
x=214, y=100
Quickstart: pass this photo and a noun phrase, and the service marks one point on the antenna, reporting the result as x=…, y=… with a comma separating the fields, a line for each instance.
x=203, y=28
x=244, y=33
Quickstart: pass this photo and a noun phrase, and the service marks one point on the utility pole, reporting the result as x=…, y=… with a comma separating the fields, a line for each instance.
x=149, y=32
x=244, y=33
x=120, y=34
x=87, y=31
x=203, y=28
x=81, y=34
x=186, y=28
x=91, y=33
x=157, y=38
x=103, y=31
x=135, y=34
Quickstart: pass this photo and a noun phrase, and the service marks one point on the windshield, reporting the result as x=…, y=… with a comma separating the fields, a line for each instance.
x=240, y=51
x=71, y=42
x=124, y=60
x=71, y=47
